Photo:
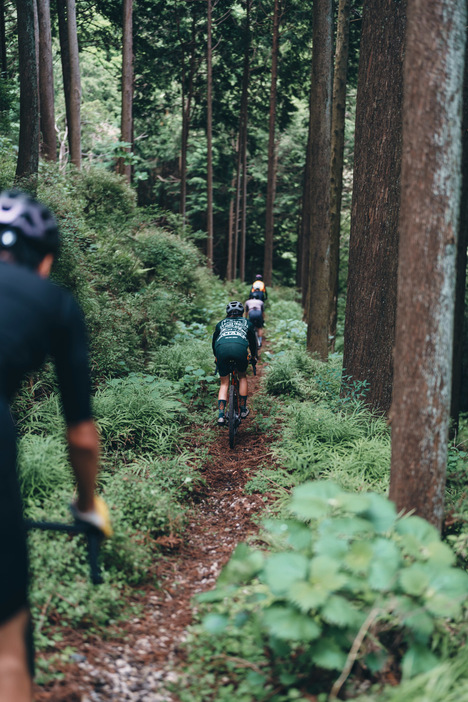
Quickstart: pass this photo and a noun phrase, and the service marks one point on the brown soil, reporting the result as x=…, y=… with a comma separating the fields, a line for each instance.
x=149, y=644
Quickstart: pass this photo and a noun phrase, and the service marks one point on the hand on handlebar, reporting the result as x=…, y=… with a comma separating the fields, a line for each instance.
x=97, y=517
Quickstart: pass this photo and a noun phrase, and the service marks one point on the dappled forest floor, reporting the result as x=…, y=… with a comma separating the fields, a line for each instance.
x=140, y=658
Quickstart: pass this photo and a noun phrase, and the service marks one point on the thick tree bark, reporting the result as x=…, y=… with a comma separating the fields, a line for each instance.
x=46, y=83
x=337, y=153
x=460, y=331
x=187, y=94
x=28, y=152
x=126, y=124
x=3, y=51
x=272, y=158
x=430, y=209
x=74, y=127
x=319, y=257
x=243, y=142
x=65, y=60
x=209, y=141
x=237, y=202
x=230, y=242
x=373, y=255
x=304, y=251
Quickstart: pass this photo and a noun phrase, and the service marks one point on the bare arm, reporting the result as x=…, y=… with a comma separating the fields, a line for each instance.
x=83, y=447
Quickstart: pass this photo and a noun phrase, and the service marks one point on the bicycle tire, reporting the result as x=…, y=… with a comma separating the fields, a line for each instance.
x=233, y=414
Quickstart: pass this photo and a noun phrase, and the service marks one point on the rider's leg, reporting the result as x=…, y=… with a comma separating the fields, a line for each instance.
x=222, y=398
x=243, y=391
x=15, y=679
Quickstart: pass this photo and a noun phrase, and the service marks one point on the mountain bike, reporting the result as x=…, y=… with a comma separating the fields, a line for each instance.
x=233, y=417
x=93, y=536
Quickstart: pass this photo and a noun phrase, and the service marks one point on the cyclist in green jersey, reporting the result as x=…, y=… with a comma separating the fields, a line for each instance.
x=232, y=339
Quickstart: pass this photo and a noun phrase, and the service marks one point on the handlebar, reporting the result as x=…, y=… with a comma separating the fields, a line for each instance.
x=93, y=536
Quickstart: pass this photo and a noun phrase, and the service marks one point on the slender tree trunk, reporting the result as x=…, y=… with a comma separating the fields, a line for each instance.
x=209, y=141
x=243, y=140
x=46, y=82
x=65, y=61
x=337, y=153
x=430, y=209
x=74, y=126
x=272, y=158
x=237, y=205
x=319, y=258
x=126, y=128
x=230, y=247
x=460, y=287
x=28, y=152
x=373, y=254
x=187, y=94
x=3, y=52
x=304, y=253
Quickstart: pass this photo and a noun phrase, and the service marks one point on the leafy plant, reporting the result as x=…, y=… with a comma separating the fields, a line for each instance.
x=348, y=581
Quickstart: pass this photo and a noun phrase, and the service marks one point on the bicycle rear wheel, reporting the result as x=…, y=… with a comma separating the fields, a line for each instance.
x=233, y=414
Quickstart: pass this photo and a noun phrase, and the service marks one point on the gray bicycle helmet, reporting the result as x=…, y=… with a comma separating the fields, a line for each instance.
x=24, y=218
x=234, y=309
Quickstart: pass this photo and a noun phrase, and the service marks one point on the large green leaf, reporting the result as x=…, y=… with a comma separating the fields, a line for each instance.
x=283, y=569
x=353, y=502
x=452, y=582
x=324, y=573
x=381, y=512
x=215, y=623
x=415, y=579
x=314, y=500
x=440, y=554
x=340, y=612
x=330, y=545
x=306, y=596
x=420, y=623
x=346, y=527
x=289, y=624
x=327, y=654
x=419, y=528
x=384, y=567
x=359, y=557
x=417, y=659
x=242, y=567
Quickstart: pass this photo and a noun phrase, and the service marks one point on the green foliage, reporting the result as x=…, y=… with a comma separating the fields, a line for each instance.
x=344, y=563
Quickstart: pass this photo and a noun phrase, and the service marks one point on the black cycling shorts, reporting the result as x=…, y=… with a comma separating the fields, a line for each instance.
x=229, y=356
x=13, y=550
x=256, y=317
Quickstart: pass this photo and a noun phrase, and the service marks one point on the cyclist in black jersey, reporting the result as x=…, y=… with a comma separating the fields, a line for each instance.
x=232, y=338
x=37, y=318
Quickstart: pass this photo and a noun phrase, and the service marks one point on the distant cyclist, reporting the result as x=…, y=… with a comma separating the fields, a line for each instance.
x=254, y=311
x=232, y=339
x=37, y=318
x=259, y=288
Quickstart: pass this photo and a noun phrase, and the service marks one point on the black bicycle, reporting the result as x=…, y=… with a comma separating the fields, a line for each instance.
x=93, y=535
x=233, y=416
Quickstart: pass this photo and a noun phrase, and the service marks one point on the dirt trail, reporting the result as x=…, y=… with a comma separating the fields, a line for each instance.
x=139, y=662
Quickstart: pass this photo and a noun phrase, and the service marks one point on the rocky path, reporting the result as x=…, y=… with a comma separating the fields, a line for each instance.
x=142, y=659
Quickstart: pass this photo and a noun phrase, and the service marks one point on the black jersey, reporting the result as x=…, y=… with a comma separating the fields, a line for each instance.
x=38, y=318
x=235, y=330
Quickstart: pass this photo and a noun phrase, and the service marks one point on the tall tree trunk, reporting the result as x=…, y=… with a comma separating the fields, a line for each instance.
x=46, y=83
x=65, y=60
x=243, y=140
x=460, y=287
x=209, y=141
x=430, y=202
x=373, y=253
x=230, y=245
x=74, y=126
x=126, y=125
x=28, y=152
x=3, y=52
x=304, y=252
x=237, y=205
x=319, y=257
x=272, y=158
x=337, y=154
x=187, y=94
